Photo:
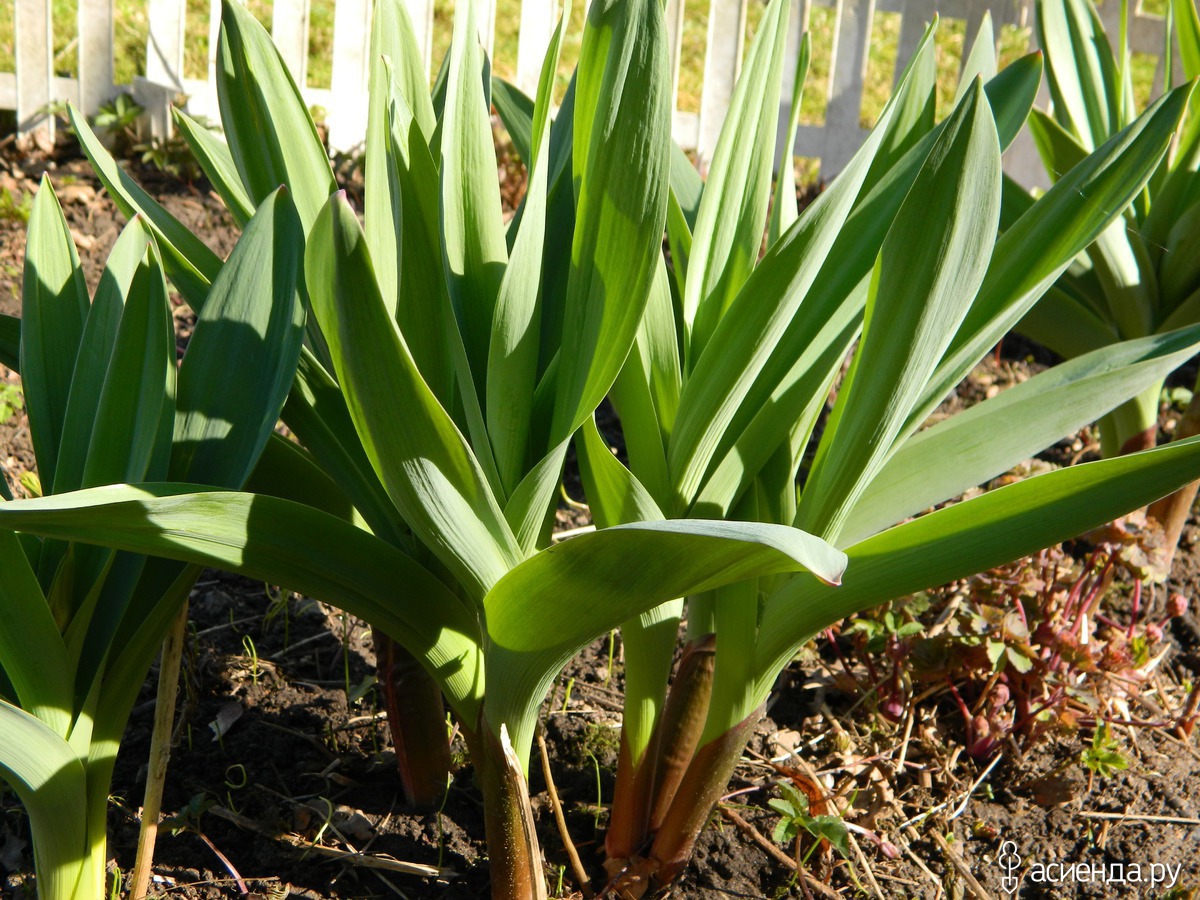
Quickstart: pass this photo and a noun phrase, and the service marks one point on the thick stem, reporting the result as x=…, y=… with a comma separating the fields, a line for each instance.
x=682, y=723
x=1172, y=510
x=514, y=857
x=701, y=788
x=160, y=751
x=629, y=816
x=1143, y=440
x=645, y=787
x=417, y=720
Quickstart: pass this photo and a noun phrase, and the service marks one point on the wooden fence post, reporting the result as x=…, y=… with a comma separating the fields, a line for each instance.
x=851, y=38
x=95, y=54
x=289, y=28
x=722, y=65
x=35, y=69
x=164, y=64
x=348, y=85
x=538, y=20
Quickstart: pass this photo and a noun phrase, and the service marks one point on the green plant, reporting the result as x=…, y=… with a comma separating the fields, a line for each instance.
x=17, y=206
x=722, y=395
x=795, y=820
x=445, y=376
x=1141, y=275
x=12, y=401
x=105, y=403
x=1103, y=756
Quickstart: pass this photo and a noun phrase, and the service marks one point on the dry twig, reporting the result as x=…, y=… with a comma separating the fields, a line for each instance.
x=818, y=887
x=581, y=875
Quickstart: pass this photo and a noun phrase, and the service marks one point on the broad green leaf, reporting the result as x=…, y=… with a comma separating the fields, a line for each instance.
x=401, y=225
x=1031, y=254
x=614, y=494
x=1187, y=28
x=393, y=36
x=1081, y=71
x=1062, y=324
x=986, y=440
x=271, y=136
x=279, y=542
x=514, y=344
x=530, y=510
x=784, y=210
x=49, y=779
x=214, y=158
x=242, y=358
x=96, y=350
x=190, y=265
x=748, y=335
x=1059, y=149
x=515, y=109
x=316, y=412
x=134, y=411
x=686, y=185
x=790, y=388
x=646, y=393
x=288, y=471
x=924, y=280
x=1180, y=271
x=10, y=342
x=54, y=308
x=981, y=60
x=914, y=107
x=421, y=458
x=474, y=251
x=614, y=574
x=733, y=210
x=35, y=660
x=969, y=537
x=621, y=160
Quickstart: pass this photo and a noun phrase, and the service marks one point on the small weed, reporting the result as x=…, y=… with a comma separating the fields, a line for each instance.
x=252, y=652
x=1103, y=757
x=795, y=821
x=12, y=401
x=16, y=208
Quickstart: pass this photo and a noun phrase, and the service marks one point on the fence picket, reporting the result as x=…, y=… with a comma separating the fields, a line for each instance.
x=851, y=39
x=95, y=54
x=348, y=85
x=915, y=20
x=674, y=29
x=538, y=21
x=289, y=28
x=722, y=62
x=35, y=72
x=164, y=46
x=33, y=86
x=485, y=20
x=421, y=13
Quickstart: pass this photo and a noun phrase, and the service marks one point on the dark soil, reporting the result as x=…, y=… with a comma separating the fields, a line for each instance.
x=300, y=796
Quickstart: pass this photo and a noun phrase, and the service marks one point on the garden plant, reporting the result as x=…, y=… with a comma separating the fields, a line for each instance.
x=722, y=396
x=447, y=363
x=105, y=404
x=1141, y=276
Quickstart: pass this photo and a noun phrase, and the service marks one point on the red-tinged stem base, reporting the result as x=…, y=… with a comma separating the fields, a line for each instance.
x=417, y=721
x=1171, y=512
x=514, y=856
x=705, y=781
x=645, y=789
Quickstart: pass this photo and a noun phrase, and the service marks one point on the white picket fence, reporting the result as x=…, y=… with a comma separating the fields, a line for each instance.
x=33, y=85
